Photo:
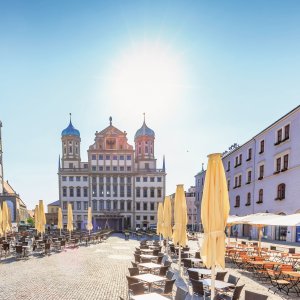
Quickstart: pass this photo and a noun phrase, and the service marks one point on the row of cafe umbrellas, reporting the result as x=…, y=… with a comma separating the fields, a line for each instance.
x=40, y=219
x=214, y=213
x=215, y=217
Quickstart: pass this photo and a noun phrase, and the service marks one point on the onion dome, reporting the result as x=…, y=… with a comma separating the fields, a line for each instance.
x=70, y=130
x=144, y=131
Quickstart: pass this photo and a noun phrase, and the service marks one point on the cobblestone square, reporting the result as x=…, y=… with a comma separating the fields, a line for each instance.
x=92, y=272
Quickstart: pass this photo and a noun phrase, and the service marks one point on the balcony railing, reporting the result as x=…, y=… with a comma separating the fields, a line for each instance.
x=111, y=171
x=74, y=169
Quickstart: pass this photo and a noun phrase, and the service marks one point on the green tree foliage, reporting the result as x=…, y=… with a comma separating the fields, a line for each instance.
x=30, y=221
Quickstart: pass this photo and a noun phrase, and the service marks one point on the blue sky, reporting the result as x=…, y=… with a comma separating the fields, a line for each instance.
x=216, y=73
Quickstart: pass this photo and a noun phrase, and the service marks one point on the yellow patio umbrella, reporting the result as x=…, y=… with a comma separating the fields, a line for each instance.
x=180, y=219
x=70, y=219
x=89, y=225
x=160, y=220
x=5, y=221
x=214, y=213
x=59, y=220
x=167, y=223
x=36, y=218
x=9, y=218
x=1, y=230
x=42, y=217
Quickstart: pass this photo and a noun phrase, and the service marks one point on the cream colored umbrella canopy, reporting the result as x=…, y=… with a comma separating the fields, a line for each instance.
x=160, y=219
x=42, y=217
x=5, y=218
x=167, y=223
x=288, y=220
x=214, y=213
x=180, y=219
x=1, y=230
x=36, y=218
x=9, y=218
x=70, y=219
x=89, y=225
x=59, y=220
x=260, y=220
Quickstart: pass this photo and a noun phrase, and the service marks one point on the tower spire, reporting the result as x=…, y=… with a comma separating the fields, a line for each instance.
x=164, y=164
x=144, y=117
x=202, y=167
x=70, y=117
x=110, y=120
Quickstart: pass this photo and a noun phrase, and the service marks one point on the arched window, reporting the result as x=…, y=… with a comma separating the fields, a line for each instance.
x=237, y=201
x=260, y=195
x=281, y=191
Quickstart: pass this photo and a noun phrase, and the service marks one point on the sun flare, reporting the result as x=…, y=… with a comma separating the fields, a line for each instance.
x=147, y=73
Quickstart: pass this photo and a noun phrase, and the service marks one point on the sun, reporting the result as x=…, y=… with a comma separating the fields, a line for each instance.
x=147, y=73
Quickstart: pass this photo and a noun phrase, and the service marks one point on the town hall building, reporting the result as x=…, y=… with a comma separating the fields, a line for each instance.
x=120, y=182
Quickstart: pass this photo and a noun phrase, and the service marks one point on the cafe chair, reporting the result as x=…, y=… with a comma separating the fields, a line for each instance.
x=180, y=294
x=254, y=296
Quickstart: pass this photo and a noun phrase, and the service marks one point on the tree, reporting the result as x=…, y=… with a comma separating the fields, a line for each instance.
x=30, y=221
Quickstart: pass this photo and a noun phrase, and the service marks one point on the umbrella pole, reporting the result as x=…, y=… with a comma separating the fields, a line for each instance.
x=213, y=272
x=179, y=260
x=167, y=243
x=59, y=231
x=259, y=240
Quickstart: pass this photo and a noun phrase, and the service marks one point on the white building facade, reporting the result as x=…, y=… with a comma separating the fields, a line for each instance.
x=191, y=208
x=263, y=175
x=121, y=183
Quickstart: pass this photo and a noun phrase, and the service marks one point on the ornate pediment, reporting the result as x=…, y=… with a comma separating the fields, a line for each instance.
x=111, y=138
x=111, y=131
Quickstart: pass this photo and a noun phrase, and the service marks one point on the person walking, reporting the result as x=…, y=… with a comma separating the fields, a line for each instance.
x=236, y=235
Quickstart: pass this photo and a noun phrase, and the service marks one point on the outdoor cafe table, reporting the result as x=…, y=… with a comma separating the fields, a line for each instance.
x=263, y=262
x=194, y=260
x=148, y=256
x=201, y=271
x=149, y=278
x=295, y=283
x=218, y=284
x=146, y=250
x=293, y=259
x=150, y=296
x=153, y=247
x=150, y=266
